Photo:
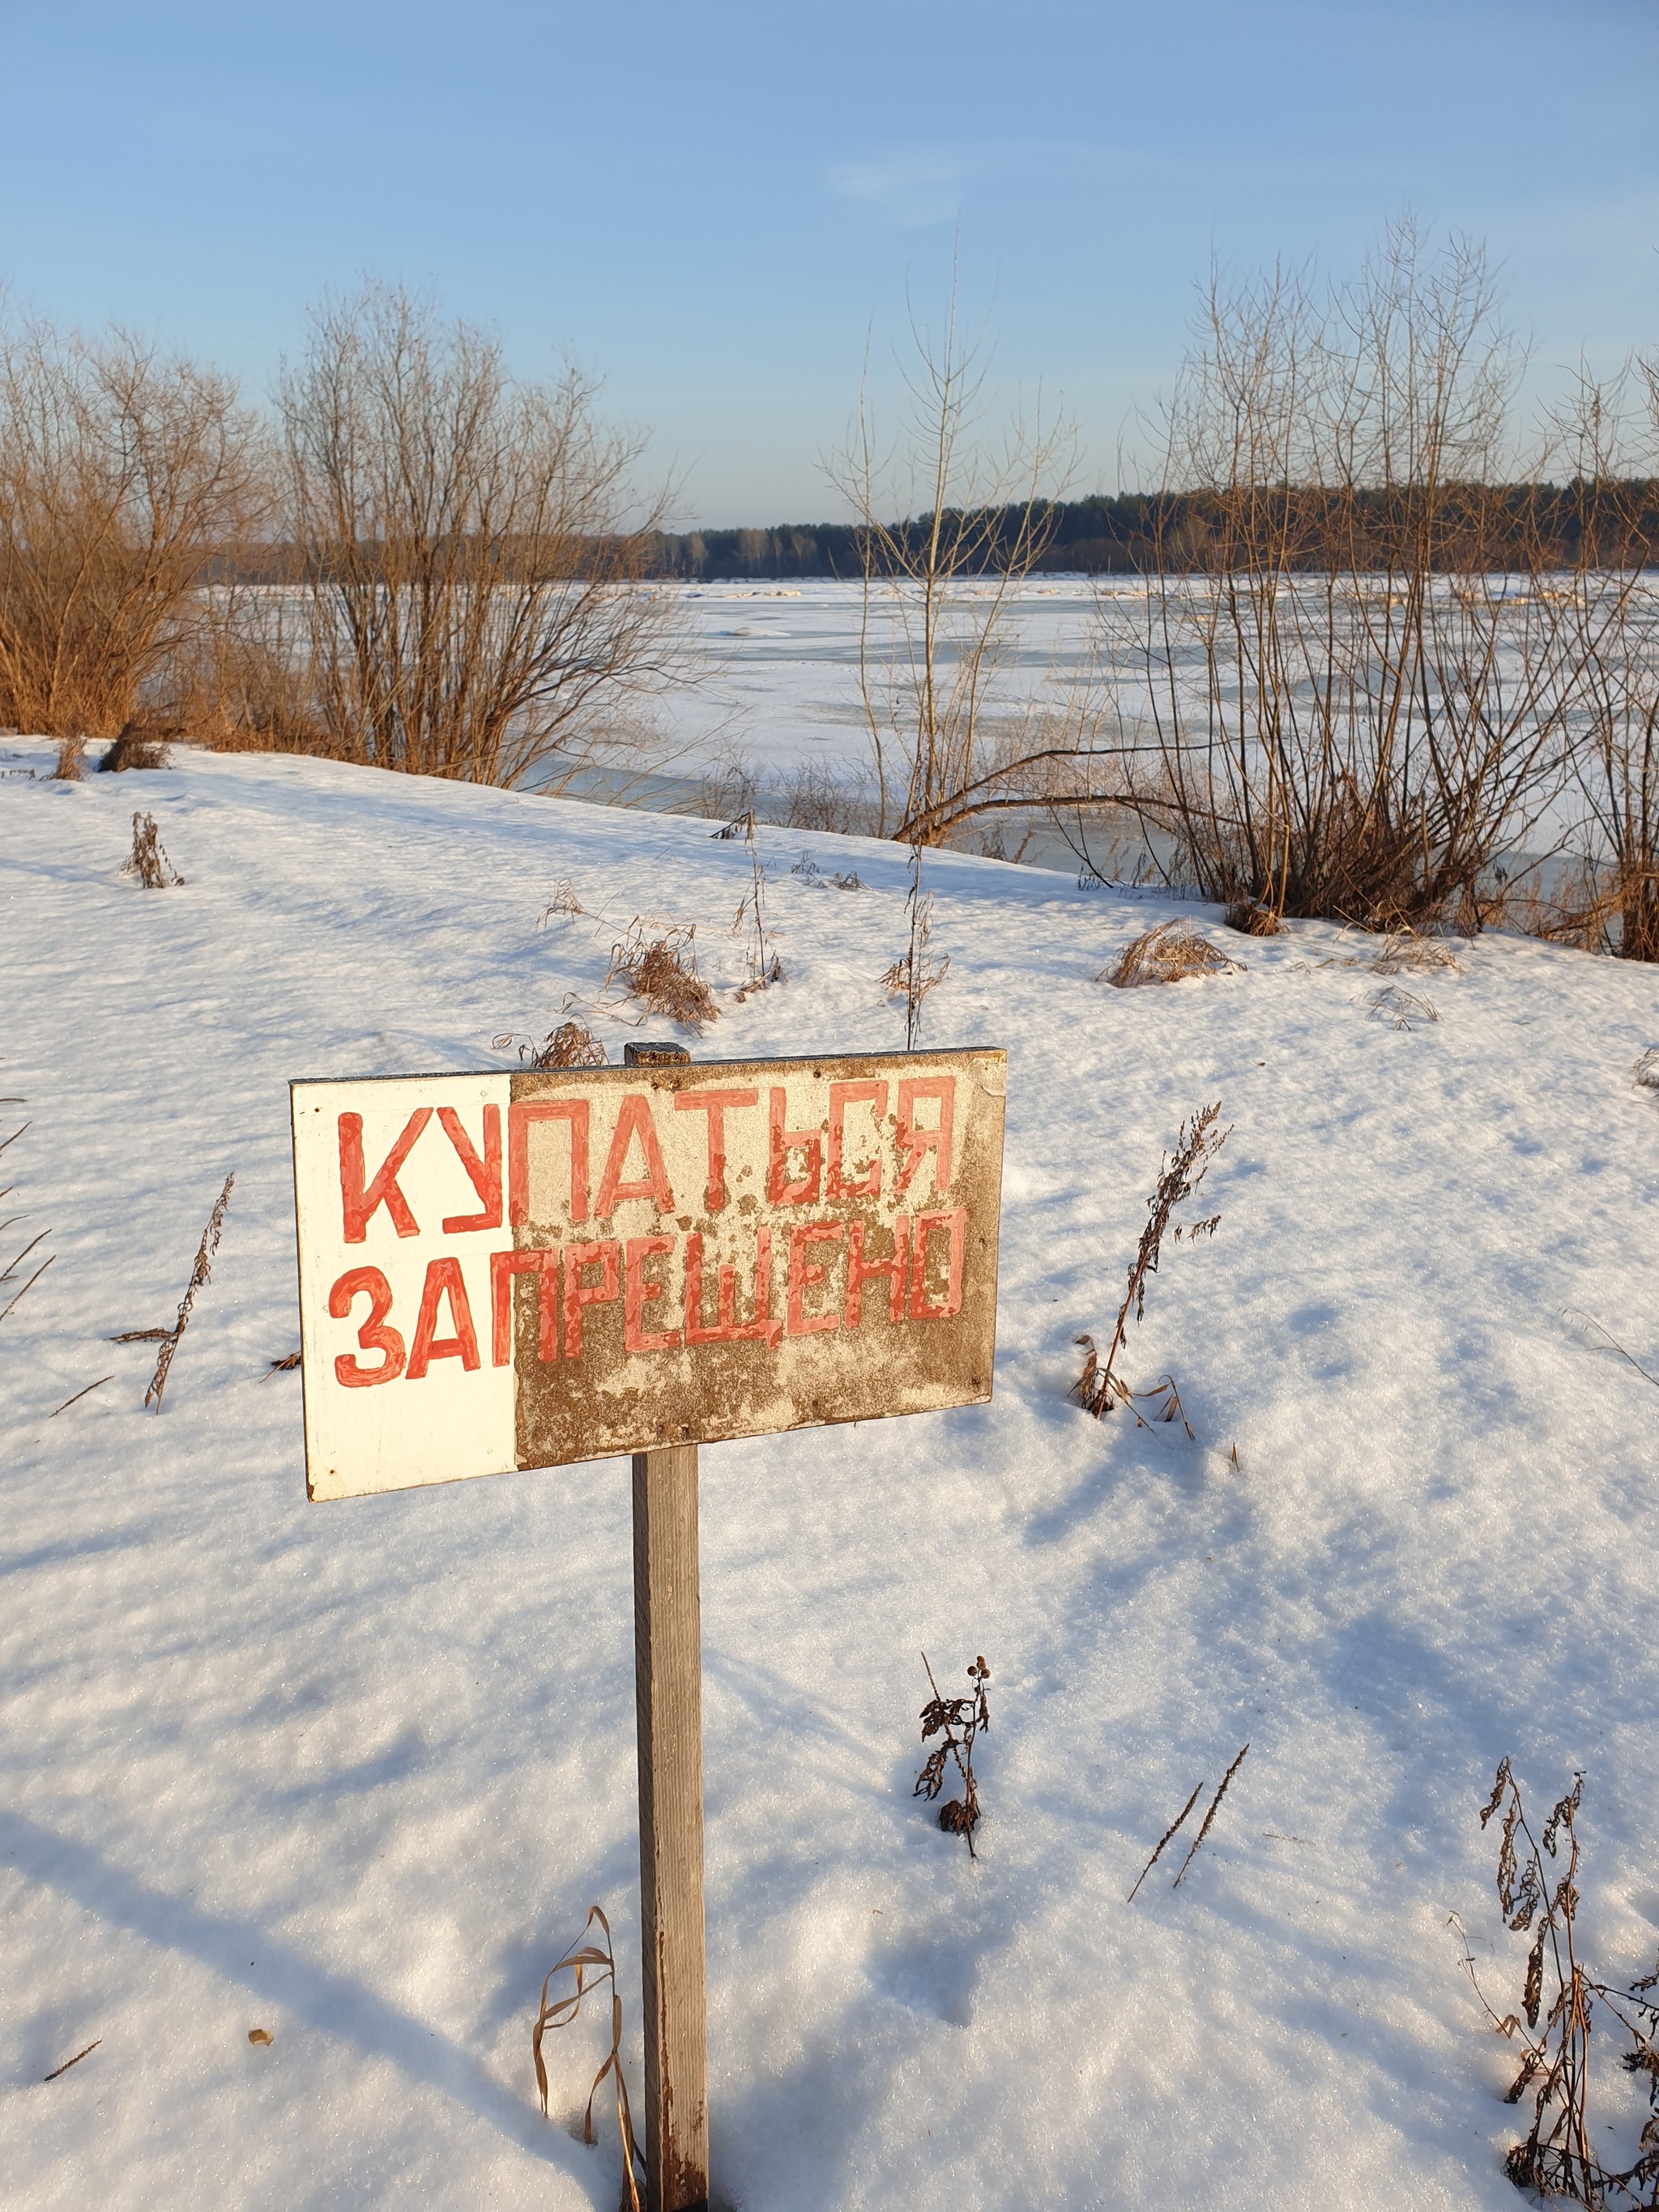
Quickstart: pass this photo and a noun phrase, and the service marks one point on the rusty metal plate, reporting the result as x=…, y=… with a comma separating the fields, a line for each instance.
x=505, y=1271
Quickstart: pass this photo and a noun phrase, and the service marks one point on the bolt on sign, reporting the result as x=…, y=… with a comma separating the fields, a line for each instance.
x=521, y=1270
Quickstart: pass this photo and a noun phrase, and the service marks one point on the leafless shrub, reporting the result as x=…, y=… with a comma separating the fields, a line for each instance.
x=812, y=795
x=952, y=741
x=122, y=472
x=959, y=1722
x=590, y=1964
x=1251, y=919
x=728, y=793
x=1646, y=1070
x=1179, y=1822
x=1099, y=1388
x=1164, y=955
x=1557, y=2158
x=658, y=965
x=198, y=1274
x=1401, y=1010
x=564, y=904
x=1609, y=900
x=1362, y=692
x=917, y=970
x=472, y=553
x=148, y=861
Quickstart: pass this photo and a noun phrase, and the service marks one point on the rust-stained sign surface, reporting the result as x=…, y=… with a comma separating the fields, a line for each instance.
x=519, y=1270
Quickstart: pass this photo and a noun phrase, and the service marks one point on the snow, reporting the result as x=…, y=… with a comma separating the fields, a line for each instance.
x=354, y=1773
x=777, y=664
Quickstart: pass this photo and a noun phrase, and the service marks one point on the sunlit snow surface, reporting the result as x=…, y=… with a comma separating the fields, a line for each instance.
x=354, y=1773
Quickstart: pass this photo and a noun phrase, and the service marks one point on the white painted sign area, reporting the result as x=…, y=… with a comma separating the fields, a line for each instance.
x=511, y=1270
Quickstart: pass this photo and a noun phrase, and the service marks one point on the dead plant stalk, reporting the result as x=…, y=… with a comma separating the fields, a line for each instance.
x=1099, y=1387
x=198, y=1274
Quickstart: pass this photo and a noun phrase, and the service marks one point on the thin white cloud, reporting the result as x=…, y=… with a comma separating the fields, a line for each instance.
x=911, y=191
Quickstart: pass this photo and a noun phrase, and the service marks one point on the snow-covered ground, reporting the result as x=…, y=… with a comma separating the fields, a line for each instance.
x=353, y=1774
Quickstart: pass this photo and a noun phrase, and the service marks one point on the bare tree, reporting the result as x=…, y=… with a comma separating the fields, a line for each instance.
x=940, y=593
x=1610, y=899
x=1362, y=699
x=472, y=552
x=122, y=471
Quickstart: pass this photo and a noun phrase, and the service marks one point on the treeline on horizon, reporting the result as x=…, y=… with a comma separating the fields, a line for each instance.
x=1555, y=525
x=1185, y=533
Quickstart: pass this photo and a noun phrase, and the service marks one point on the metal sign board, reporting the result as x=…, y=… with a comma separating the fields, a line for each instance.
x=502, y=1270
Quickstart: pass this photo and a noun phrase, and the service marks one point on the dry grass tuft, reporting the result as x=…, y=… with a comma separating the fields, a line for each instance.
x=1646, y=1070
x=808, y=868
x=581, y=1957
x=660, y=971
x=1251, y=919
x=148, y=861
x=572, y=1044
x=1164, y=955
x=1097, y=1389
x=960, y=1722
x=1556, y=2158
x=1403, y=953
x=1401, y=1010
x=564, y=904
x=199, y=1275
x=142, y=742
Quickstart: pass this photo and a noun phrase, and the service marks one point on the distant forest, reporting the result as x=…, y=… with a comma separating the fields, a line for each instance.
x=1181, y=531
x=1487, y=527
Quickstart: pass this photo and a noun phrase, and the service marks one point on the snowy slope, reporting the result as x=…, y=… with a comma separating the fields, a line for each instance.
x=354, y=1773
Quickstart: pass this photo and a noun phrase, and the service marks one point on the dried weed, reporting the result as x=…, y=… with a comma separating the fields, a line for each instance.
x=1251, y=919
x=1098, y=1387
x=572, y=1044
x=148, y=861
x=581, y=1957
x=1401, y=1010
x=658, y=965
x=1403, y=953
x=1164, y=955
x=960, y=1722
x=1556, y=2159
x=200, y=1274
x=917, y=970
x=564, y=905
x=1179, y=1822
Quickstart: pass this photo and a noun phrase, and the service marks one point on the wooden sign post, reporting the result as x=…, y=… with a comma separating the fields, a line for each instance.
x=668, y=1696
x=526, y=1270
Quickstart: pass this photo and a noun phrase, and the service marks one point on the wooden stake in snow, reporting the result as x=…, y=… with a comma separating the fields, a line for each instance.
x=668, y=1695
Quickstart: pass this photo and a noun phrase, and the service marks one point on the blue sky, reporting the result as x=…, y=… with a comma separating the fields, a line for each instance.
x=713, y=205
